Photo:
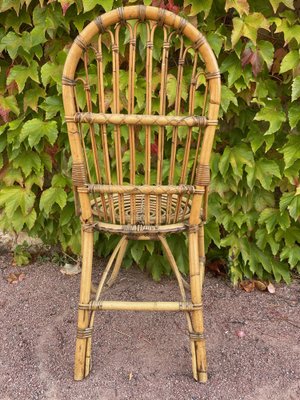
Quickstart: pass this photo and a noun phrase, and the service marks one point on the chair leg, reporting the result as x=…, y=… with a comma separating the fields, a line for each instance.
x=196, y=277
x=82, y=362
x=118, y=264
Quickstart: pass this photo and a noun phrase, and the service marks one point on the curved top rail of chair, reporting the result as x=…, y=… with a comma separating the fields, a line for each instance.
x=143, y=12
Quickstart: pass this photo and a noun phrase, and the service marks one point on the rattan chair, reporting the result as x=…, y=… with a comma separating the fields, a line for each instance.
x=109, y=135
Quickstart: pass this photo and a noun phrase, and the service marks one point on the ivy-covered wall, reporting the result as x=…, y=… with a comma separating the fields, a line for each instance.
x=255, y=190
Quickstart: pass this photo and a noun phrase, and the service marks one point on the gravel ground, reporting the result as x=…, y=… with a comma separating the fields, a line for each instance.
x=145, y=355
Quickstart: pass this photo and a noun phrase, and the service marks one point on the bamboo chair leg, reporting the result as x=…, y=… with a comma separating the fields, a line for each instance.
x=82, y=365
x=197, y=276
x=118, y=264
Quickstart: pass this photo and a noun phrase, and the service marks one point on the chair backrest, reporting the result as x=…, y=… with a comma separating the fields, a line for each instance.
x=141, y=91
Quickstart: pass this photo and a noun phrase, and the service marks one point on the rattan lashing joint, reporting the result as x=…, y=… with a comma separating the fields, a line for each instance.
x=99, y=22
x=67, y=81
x=196, y=336
x=84, y=333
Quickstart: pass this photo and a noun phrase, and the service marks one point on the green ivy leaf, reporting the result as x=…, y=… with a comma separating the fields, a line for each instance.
x=233, y=66
x=291, y=151
x=51, y=196
x=263, y=170
x=36, y=129
x=14, y=197
x=272, y=217
x=296, y=88
x=172, y=87
x=263, y=238
x=241, y=6
x=275, y=4
x=31, y=97
x=294, y=115
x=155, y=265
x=237, y=157
x=20, y=74
x=51, y=72
x=266, y=50
x=291, y=201
x=227, y=97
x=28, y=161
x=272, y=113
x=91, y=4
x=248, y=27
x=290, y=61
x=137, y=250
x=292, y=254
x=11, y=43
x=199, y=6
x=9, y=103
x=281, y=271
x=52, y=105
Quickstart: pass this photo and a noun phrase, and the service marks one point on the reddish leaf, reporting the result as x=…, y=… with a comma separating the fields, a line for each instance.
x=246, y=56
x=65, y=5
x=4, y=114
x=256, y=63
x=154, y=146
x=278, y=56
x=158, y=3
x=253, y=58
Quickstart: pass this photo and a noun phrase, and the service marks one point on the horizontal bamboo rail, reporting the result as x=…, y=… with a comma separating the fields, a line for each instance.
x=137, y=230
x=145, y=189
x=140, y=306
x=138, y=119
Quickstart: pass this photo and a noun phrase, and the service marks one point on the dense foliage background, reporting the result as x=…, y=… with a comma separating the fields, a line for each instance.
x=255, y=190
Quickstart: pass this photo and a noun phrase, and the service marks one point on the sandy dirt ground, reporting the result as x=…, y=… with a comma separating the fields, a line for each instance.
x=145, y=355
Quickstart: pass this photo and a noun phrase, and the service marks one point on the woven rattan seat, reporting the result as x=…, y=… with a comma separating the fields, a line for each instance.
x=169, y=213
x=141, y=92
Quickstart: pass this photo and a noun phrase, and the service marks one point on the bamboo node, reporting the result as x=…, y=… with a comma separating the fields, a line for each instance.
x=84, y=333
x=142, y=13
x=166, y=45
x=86, y=86
x=68, y=82
x=99, y=22
x=132, y=41
x=81, y=42
x=196, y=336
x=115, y=48
x=181, y=61
x=202, y=259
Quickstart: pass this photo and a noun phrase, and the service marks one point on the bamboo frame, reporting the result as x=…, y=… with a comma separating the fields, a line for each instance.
x=141, y=211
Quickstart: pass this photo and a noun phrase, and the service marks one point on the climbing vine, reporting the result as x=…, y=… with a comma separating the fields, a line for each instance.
x=255, y=191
